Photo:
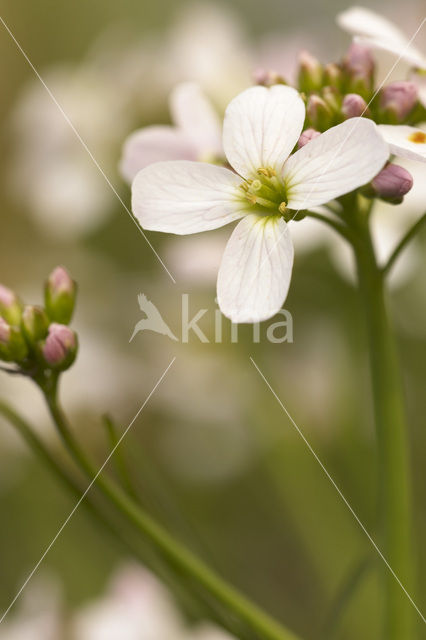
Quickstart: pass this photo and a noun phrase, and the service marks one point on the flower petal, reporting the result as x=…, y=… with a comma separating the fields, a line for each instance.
x=360, y=21
x=153, y=144
x=255, y=272
x=261, y=128
x=401, y=50
x=186, y=197
x=404, y=141
x=194, y=114
x=336, y=162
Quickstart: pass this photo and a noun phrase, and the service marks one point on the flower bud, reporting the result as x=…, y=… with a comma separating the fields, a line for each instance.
x=354, y=106
x=13, y=347
x=10, y=306
x=35, y=324
x=59, y=295
x=332, y=75
x=319, y=113
x=397, y=100
x=358, y=65
x=310, y=73
x=307, y=136
x=391, y=184
x=267, y=78
x=60, y=348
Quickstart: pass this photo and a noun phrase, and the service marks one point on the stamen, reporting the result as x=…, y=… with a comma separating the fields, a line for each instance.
x=282, y=208
x=419, y=137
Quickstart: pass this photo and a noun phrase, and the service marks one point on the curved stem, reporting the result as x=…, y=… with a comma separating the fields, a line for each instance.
x=403, y=243
x=392, y=440
x=334, y=224
x=176, y=554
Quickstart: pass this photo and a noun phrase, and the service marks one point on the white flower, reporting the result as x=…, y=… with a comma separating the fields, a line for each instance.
x=405, y=141
x=376, y=31
x=196, y=134
x=261, y=128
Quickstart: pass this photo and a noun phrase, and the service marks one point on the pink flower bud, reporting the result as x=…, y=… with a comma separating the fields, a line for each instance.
x=398, y=99
x=319, y=113
x=267, y=77
x=353, y=106
x=392, y=183
x=359, y=61
x=10, y=307
x=60, y=347
x=307, y=136
x=4, y=331
x=60, y=294
x=311, y=73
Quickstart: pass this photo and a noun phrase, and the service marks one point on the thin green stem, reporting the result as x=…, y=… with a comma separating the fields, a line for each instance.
x=334, y=224
x=120, y=463
x=180, y=558
x=403, y=243
x=392, y=439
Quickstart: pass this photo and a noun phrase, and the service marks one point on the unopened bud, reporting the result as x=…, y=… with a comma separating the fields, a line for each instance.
x=10, y=306
x=354, y=106
x=35, y=324
x=60, y=293
x=319, y=113
x=60, y=348
x=307, y=136
x=13, y=347
x=358, y=65
x=397, y=100
x=267, y=77
x=391, y=184
x=311, y=73
x=332, y=75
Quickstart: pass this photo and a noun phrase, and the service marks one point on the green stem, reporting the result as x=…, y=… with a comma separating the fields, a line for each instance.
x=403, y=243
x=392, y=440
x=176, y=554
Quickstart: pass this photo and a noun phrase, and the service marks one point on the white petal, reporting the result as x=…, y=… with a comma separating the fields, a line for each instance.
x=338, y=161
x=255, y=272
x=364, y=22
x=401, y=140
x=194, y=114
x=186, y=197
x=261, y=128
x=401, y=50
x=154, y=144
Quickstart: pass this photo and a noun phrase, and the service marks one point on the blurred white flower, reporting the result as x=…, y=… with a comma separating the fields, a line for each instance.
x=261, y=128
x=137, y=607
x=196, y=134
x=378, y=32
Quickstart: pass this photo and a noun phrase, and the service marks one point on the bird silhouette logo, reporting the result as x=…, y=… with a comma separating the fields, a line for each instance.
x=153, y=321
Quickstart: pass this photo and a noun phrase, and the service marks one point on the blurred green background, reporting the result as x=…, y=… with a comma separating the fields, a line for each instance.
x=213, y=454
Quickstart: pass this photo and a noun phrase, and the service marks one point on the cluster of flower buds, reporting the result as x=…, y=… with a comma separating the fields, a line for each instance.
x=37, y=339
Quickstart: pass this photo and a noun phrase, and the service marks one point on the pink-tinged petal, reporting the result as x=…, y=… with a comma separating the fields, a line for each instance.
x=340, y=160
x=261, y=127
x=154, y=144
x=254, y=276
x=404, y=141
x=186, y=197
x=193, y=113
x=401, y=50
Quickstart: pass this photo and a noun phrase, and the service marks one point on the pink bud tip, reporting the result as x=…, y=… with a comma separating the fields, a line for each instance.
x=392, y=182
x=4, y=331
x=307, y=136
x=60, y=280
x=359, y=59
x=399, y=97
x=353, y=105
x=7, y=297
x=59, y=343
